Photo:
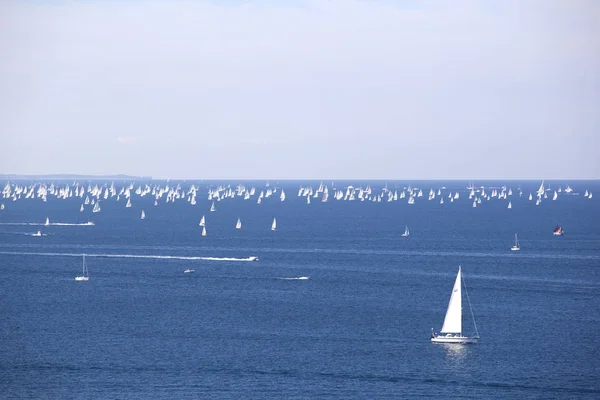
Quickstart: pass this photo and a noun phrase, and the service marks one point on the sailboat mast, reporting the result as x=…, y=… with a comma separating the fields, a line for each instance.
x=471, y=307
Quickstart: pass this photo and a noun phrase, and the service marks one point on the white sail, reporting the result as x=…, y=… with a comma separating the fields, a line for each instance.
x=238, y=225
x=143, y=215
x=212, y=207
x=274, y=224
x=81, y=208
x=202, y=221
x=555, y=196
x=47, y=221
x=128, y=205
x=203, y=231
x=96, y=207
x=406, y=232
x=509, y=205
x=282, y=197
x=453, y=320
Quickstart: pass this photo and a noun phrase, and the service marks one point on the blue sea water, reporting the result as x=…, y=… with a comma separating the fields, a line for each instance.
x=358, y=328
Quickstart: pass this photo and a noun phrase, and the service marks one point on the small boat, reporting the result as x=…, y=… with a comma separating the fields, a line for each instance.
x=81, y=208
x=238, y=225
x=84, y=276
x=452, y=329
x=509, y=205
x=47, y=223
x=128, y=205
x=1, y=206
x=188, y=271
x=274, y=225
x=143, y=215
x=558, y=231
x=203, y=231
x=555, y=196
x=252, y=258
x=38, y=233
x=202, y=221
x=516, y=247
x=212, y=207
x=96, y=207
x=406, y=232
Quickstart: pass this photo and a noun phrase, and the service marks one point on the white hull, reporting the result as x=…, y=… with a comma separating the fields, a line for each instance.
x=81, y=278
x=515, y=248
x=454, y=339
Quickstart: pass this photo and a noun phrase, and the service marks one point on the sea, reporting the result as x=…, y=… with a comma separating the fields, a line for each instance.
x=356, y=326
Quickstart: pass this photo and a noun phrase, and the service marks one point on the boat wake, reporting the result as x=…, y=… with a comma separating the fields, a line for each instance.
x=146, y=256
x=48, y=224
x=299, y=278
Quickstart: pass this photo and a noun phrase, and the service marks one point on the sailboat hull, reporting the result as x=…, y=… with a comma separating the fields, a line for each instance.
x=81, y=278
x=454, y=339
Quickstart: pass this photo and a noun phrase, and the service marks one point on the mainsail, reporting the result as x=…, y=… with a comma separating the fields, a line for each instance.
x=453, y=320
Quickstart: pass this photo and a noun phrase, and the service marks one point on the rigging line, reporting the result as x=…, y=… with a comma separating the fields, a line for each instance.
x=470, y=307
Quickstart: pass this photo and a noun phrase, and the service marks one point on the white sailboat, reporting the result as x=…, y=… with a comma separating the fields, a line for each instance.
x=47, y=223
x=84, y=276
x=96, y=207
x=143, y=215
x=238, y=225
x=212, y=207
x=406, y=232
x=81, y=208
x=128, y=205
x=452, y=329
x=274, y=225
x=516, y=247
x=509, y=205
x=203, y=231
x=202, y=221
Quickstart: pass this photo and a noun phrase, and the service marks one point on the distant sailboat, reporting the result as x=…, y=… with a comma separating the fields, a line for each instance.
x=212, y=207
x=47, y=223
x=203, y=231
x=38, y=233
x=128, y=205
x=202, y=221
x=555, y=196
x=274, y=225
x=516, y=247
x=406, y=232
x=96, y=207
x=143, y=215
x=84, y=276
x=509, y=205
x=558, y=231
x=238, y=225
x=81, y=208
x=452, y=328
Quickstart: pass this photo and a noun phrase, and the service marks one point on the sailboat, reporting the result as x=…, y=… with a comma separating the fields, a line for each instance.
x=143, y=215
x=128, y=205
x=203, y=231
x=406, y=232
x=47, y=223
x=84, y=276
x=202, y=221
x=509, y=205
x=238, y=225
x=212, y=207
x=274, y=225
x=96, y=207
x=81, y=208
x=516, y=247
x=452, y=329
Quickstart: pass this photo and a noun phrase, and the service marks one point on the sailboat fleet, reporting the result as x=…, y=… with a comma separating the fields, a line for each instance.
x=160, y=194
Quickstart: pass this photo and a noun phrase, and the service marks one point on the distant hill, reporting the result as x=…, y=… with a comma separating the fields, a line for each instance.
x=120, y=177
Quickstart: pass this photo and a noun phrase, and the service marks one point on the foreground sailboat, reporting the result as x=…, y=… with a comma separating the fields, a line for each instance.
x=452, y=329
x=406, y=232
x=84, y=276
x=516, y=247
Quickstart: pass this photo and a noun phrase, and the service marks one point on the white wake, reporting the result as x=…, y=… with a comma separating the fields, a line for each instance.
x=147, y=256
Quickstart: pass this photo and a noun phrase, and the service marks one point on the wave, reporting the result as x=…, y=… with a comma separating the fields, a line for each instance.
x=299, y=278
x=148, y=256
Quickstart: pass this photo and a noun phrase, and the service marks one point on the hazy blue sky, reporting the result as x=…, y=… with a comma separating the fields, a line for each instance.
x=309, y=89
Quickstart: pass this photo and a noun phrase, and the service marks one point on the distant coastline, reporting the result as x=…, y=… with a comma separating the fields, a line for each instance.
x=121, y=177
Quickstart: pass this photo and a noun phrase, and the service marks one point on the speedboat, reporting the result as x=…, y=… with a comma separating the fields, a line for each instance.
x=558, y=231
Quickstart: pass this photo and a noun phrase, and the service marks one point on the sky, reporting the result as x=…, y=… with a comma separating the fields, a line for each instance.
x=331, y=89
